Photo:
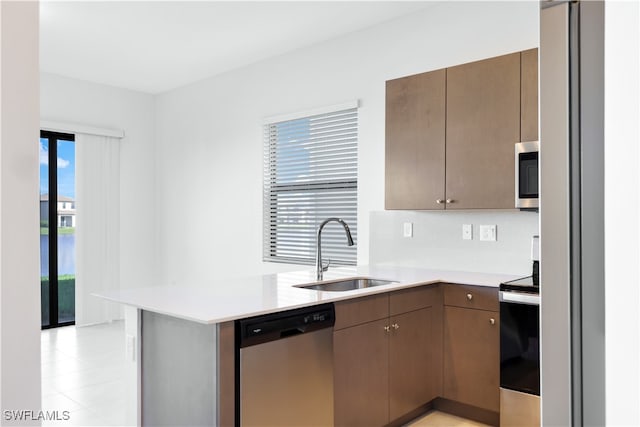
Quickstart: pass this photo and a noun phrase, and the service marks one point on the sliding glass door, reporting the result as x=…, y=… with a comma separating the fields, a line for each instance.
x=57, y=229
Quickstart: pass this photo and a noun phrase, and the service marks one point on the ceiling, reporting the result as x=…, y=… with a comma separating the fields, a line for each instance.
x=156, y=46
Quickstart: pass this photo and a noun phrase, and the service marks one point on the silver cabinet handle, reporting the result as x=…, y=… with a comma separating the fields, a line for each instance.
x=492, y=321
x=440, y=201
x=395, y=326
x=469, y=297
x=450, y=200
x=387, y=328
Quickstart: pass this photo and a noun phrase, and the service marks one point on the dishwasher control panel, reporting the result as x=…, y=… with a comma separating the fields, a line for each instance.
x=316, y=317
x=275, y=326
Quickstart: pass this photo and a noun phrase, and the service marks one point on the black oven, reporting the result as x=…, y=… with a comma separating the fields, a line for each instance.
x=520, y=336
x=527, y=174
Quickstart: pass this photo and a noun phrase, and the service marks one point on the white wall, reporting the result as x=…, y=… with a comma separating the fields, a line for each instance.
x=69, y=100
x=622, y=212
x=19, y=210
x=209, y=136
x=437, y=240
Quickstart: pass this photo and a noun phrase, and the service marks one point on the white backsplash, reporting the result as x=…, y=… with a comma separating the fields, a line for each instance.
x=437, y=240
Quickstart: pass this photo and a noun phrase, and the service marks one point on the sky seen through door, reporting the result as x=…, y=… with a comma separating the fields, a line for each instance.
x=66, y=168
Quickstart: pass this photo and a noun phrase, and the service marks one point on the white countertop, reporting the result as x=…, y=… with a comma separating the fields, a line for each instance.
x=217, y=302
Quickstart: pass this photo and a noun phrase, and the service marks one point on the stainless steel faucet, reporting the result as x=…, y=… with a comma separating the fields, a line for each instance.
x=319, y=267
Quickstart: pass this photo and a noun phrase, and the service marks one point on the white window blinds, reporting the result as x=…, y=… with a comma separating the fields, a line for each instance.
x=311, y=174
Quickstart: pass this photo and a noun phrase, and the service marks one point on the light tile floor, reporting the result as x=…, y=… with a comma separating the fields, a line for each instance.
x=442, y=419
x=83, y=373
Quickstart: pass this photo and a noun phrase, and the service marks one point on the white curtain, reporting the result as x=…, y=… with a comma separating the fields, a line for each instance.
x=98, y=226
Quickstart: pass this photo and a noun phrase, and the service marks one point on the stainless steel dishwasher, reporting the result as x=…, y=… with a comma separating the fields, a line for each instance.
x=285, y=374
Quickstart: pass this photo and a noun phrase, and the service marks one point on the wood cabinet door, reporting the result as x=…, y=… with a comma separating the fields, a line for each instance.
x=361, y=375
x=472, y=357
x=356, y=311
x=411, y=367
x=529, y=95
x=482, y=127
x=415, y=141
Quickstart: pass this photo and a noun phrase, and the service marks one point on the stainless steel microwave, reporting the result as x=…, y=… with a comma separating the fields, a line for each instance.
x=527, y=174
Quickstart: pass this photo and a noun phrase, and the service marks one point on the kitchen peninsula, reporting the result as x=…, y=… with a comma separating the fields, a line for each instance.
x=183, y=338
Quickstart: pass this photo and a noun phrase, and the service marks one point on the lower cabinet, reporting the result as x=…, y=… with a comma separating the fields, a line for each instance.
x=383, y=369
x=411, y=371
x=472, y=357
x=395, y=353
x=361, y=375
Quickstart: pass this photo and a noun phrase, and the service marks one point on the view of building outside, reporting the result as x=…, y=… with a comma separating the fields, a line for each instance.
x=66, y=227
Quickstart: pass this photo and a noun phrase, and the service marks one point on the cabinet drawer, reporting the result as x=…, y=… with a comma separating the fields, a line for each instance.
x=361, y=310
x=413, y=299
x=479, y=297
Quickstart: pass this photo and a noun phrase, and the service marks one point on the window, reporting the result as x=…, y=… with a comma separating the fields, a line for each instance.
x=311, y=174
x=57, y=229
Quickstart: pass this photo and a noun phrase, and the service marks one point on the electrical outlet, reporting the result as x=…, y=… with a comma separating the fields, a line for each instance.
x=467, y=232
x=407, y=229
x=488, y=233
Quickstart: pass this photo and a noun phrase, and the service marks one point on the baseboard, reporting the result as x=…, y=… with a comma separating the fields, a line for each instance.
x=467, y=411
x=416, y=413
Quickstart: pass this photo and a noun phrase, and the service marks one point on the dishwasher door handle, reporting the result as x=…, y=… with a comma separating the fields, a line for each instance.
x=292, y=332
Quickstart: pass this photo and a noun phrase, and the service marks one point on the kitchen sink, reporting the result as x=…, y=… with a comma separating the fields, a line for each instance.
x=346, y=284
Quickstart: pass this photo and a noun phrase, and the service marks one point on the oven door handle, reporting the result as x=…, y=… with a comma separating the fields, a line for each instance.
x=519, y=298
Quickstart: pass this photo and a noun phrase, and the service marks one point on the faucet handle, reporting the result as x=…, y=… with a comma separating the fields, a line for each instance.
x=326, y=267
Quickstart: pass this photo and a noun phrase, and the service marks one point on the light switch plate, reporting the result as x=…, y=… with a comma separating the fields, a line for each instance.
x=488, y=233
x=467, y=232
x=407, y=229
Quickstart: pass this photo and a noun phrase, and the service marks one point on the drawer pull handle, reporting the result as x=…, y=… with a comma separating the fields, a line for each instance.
x=387, y=328
x=469, y=297
x=395, y=326
x=492, y=321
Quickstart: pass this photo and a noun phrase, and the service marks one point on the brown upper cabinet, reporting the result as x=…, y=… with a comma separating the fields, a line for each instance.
x=450, y=133
x=415, y=141
x=529, y=95
x=483, y=124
